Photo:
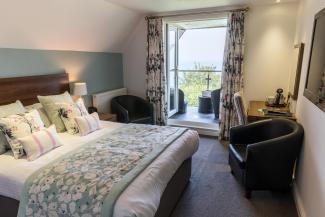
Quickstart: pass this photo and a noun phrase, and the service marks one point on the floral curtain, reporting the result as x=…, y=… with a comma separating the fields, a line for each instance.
x=232, y=72
x=156, y=75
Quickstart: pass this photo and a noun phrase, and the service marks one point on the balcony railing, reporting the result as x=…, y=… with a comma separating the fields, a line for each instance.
x=193, y=82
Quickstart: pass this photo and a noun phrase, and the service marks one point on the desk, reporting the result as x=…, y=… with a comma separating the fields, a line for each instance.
x=254, y=114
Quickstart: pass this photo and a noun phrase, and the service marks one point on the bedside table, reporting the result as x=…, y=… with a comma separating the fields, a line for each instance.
x=107, y=117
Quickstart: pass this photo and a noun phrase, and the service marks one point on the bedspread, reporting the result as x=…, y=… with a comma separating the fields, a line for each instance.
x=88, y=181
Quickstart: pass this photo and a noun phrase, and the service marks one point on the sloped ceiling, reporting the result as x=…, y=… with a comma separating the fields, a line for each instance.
x=81, y=25
x=159, y=6
x=85, y=25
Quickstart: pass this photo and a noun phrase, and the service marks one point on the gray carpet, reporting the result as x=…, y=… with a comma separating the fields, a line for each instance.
x=214, y=192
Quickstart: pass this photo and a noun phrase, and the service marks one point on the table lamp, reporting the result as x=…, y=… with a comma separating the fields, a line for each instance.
x=79, y=89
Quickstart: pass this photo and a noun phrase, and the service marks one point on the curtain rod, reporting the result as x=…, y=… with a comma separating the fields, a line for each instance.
x=198, y=13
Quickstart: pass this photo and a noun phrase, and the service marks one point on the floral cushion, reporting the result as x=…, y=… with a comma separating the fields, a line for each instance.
x=18, y=126
x=48, y=103
x=4, y=145
x=87, y=124
x=67, y=113
x=40, y=142
x=42, y=113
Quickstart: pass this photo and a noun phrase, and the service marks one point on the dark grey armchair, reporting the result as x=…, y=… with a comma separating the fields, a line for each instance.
x=182, y=103
x=215, y=99
x=262, y=154
x=132, y=109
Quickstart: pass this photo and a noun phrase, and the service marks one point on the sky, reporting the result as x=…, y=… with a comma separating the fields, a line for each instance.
x=204, y=46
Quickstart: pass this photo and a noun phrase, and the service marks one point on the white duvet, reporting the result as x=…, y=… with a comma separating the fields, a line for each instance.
x=142, y=196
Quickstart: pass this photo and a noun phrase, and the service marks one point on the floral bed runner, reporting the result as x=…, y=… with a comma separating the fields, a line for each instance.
x=88, y=181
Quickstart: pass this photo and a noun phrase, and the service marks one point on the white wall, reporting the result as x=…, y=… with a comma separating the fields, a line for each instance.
x=310, y=184
x=79, y=25
x=134, y=60
x=270, y=33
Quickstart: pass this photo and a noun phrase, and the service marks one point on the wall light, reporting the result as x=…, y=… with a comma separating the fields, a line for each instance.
x=277, y=1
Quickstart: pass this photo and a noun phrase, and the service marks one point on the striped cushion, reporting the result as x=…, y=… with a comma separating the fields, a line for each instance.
x=240, y=108
x=38, y=143
x=88, y=123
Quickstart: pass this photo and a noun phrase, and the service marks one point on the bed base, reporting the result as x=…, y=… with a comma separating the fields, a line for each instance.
x=173, y=192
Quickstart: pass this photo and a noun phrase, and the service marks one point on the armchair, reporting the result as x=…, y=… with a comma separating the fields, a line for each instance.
x=262, y=154
x=182, y=103
x=132, y=109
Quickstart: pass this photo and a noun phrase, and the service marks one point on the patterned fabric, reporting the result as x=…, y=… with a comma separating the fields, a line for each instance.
x=81, y=105
x=40, y=142
x=88, y=181
x=42, y=113
x=12, y=109
x=232, y=72
x=240, y=108
x=88, y=124
x=48, y=103
x=156, y=75
x=67, y=113
x=18, y=126
x=4, y=145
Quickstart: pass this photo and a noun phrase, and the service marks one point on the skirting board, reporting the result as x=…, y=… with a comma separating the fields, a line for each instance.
x=200, y=128
x=298, y=201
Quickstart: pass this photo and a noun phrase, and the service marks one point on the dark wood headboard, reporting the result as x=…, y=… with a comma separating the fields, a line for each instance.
x=26, y=89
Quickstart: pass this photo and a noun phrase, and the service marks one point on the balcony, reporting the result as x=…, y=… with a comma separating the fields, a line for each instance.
x=192, y=83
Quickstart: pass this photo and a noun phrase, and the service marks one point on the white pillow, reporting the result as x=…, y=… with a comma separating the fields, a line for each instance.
x=12, y=109
x=41, y=142
x=81, y=105
x=18, y=126
x=88, y=124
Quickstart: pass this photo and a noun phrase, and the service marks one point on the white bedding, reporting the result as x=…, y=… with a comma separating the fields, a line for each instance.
x=142, y=196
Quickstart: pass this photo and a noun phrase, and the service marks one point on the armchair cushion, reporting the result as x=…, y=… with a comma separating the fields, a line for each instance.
x=239, y=153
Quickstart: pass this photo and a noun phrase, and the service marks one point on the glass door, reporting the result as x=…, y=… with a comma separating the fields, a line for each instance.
x=172, y=62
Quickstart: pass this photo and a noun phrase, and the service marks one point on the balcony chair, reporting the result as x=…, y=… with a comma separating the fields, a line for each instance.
x=215, y=99
x=132, y=109
x=182, y=103
x=262, y=154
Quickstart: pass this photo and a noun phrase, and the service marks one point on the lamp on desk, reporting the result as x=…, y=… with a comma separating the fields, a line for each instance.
x=79, y=89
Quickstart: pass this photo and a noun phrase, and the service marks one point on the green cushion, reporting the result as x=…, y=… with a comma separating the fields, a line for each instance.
x=12, y=109
x=49, y=104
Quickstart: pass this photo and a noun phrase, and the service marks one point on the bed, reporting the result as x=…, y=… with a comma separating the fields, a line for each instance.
x=153, y=193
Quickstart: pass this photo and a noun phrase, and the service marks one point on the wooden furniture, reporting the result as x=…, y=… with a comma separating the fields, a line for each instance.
x=107, y=117
x=255, y=113
x=26, y=89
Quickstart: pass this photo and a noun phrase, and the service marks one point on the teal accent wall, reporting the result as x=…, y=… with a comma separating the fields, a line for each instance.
x=101, y=71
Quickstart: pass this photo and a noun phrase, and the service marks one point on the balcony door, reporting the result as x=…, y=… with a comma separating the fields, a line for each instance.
x=172, y=65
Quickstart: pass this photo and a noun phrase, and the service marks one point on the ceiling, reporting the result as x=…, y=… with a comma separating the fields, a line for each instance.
x=159, y=6
x=79, y=25
x=85, y=25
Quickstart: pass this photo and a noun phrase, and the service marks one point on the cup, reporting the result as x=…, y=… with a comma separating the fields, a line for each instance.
x=270, y=100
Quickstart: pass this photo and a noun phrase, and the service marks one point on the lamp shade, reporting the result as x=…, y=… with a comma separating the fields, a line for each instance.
x=80, y=89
